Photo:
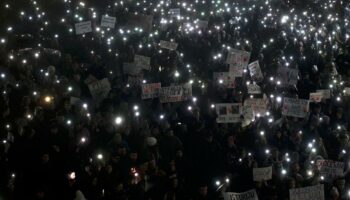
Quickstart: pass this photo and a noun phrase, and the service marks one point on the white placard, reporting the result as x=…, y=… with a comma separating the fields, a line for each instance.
x=253, y=89
x=326, y=94
x=168, y=45
x=295, y=107
x=347, y=91
x=248, y=115
x=100, y=89
x=224, y=79
x=83, y=27
x=150, y=90
x=175, y=12
x=108, y=21
x=248, y=195
x=228, y=112
x=262, y=174
x=288, y=76
x=307, y=193
x=316, y=97
x=143, y=62
x=330, y=169
x=255, y=71
x=259, y=106
x=175, y=93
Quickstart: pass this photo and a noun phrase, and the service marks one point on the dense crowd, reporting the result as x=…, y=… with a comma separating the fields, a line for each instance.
x=59, y=141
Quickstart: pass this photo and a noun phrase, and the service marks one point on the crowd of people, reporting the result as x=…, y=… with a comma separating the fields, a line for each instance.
x=61, y=141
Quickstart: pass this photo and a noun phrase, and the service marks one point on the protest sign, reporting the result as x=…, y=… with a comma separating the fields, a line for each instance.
x=174, y=12
x=168, y=45
x=238, y=61
x=202, y=24
x=259, y=106
x=295, y=107
x=224, y=79
x=248, y=115
x=253, y=89
x=316, y=97
x=99, y=89
x=135, y=80
x=262, y=174
x=255, y=71
x=140, y=21
x=228, y=112
x=151, y=90
x=131, y=69
x=108, y=21
x=248, y=195
x=175, y=93
x=142, y=62
x=326, y=94
x=83, y=27
x=288, y=76
x=330, y=169
x=307, y=193
x=347, y=91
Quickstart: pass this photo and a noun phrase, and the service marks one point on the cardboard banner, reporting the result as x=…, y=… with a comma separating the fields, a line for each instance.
x=150, y=91
x=253, y=89
x=100, y=89
x=295, y=107
x=142, y=62
x=140, y=21
x=288, y=76
x=175, y=12
x=316, y=97
x=326, y=94
x=307, y=193
x=255, y=71
x=175, y=93
x=259, y=106
x=224, y=79
x=107, y=21
x=83, y=27
x=228, y=112
x=262, y=174
x=168, y=45
x=248, y=115
x=248, y=195
x=330, y=169
x=131, y=69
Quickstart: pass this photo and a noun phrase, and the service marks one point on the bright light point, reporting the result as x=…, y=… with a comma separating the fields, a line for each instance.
x=71, y=175
x=221, y=81
x=217, y=183
x=284, y=172
x=118, y=120
x=177, y=74
x=267, y=151
x=278, y=99
x=309, y=172
x=338, y=98
x=136, y=107
x=69, y=122
x=137, y=114
x=83, y=140
x=85, y=105
x=70, y=88
x=262, y=133
x=194, y=99
x=284, y=19
x=227, y=180
x=99, y=156
x=161, y=116
x=47, y=99
x=212, y=105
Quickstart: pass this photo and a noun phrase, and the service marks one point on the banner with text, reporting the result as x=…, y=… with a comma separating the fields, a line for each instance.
x=295, y=107
x=224, y=79
x=175, y=93
x=150, y=90
x=83, y=27
x=330, y=169
x=255, y=71
x=262, y=174
x=228, y=112
x=307, y=193
x=108, y=22
x=248, y=195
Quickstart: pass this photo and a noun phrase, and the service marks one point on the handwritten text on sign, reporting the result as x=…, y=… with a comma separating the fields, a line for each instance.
x=248, y=195
x=295, y=107
x=307, y=193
